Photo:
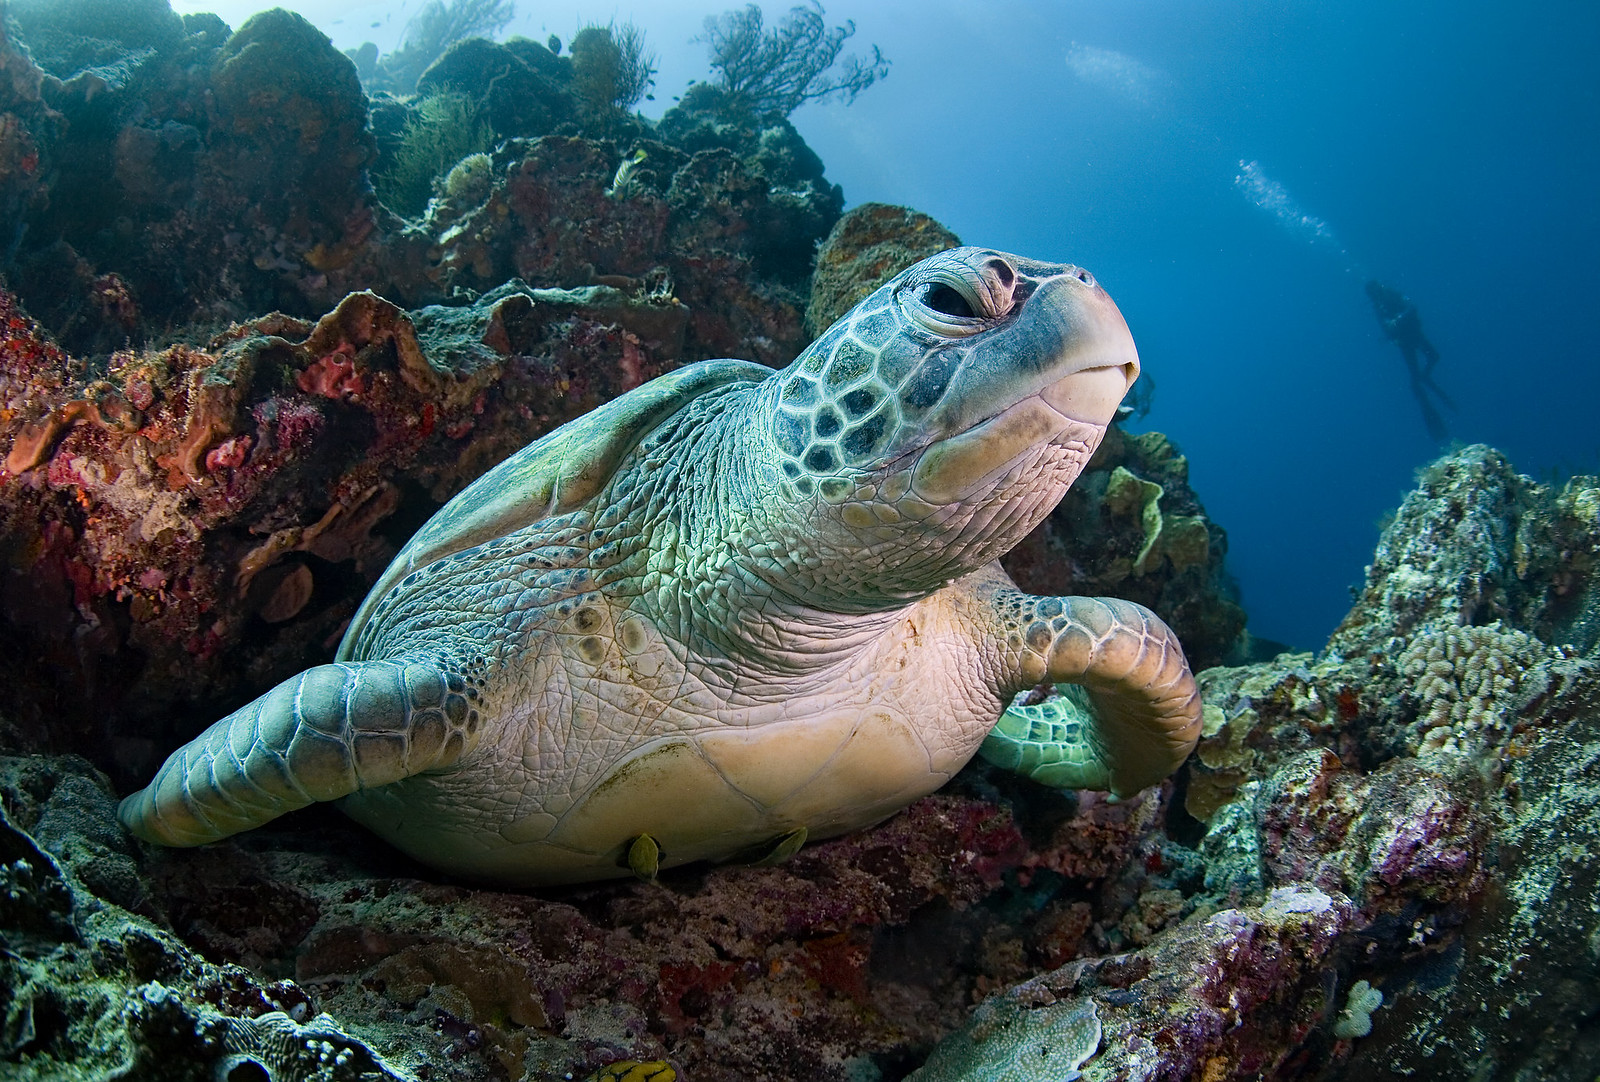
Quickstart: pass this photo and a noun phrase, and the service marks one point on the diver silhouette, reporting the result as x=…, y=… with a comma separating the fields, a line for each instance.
x=1403, y=326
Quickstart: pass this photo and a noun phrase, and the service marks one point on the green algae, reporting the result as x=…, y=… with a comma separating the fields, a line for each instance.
x=1005, y=1042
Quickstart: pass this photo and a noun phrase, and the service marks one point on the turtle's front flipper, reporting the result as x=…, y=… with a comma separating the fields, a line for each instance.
x=317, y=736
x=1137, y=716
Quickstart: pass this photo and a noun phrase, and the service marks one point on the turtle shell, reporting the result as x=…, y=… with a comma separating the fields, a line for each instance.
x=551, y=476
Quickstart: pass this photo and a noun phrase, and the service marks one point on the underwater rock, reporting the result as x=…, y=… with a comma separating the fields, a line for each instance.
x=1213, y=999
x=198, y=177
x=28, y=128
x=565, y=211
x=287, y=136
x=69, y=37
x=1476, y=543
x=190, y=522
x=799, y=206
x=90, y=990
x=1422, y=779
x=520, y=99
x=867, y=247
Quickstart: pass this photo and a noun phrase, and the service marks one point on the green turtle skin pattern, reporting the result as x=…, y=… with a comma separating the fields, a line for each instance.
x=733, y=610
x=1049, y=741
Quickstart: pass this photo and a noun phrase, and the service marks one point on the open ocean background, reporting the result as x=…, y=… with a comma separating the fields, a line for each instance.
x=1232, y=172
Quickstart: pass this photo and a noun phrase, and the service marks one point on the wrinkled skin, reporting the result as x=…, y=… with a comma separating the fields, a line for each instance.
x=729, y=607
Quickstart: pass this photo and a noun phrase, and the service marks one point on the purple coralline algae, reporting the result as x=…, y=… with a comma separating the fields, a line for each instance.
x=1376, y=865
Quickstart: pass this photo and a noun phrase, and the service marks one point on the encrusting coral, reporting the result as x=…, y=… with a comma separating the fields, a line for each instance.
x=184, y=519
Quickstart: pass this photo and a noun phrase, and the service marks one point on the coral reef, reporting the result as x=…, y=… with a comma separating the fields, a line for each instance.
x=95, y=37
x=91, y=985
x=192, y=522
x=200, y=172
x=185, y=182
x=1378, y=827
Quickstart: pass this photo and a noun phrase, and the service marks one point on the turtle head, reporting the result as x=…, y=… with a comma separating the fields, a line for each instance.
x=929, y=429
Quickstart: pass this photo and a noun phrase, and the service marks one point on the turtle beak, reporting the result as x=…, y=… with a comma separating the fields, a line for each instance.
x=1092, y=395
x=1093, y=369
x=1103, y=365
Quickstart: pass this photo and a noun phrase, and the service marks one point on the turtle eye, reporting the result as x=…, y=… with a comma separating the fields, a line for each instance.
x=954, y=299
x=946, y=300
x=947, y=305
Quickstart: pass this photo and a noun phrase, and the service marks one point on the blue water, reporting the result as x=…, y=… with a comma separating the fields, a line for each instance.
x=1450, y=149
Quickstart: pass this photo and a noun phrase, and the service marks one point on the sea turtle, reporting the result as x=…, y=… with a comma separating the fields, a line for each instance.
x=732, y=609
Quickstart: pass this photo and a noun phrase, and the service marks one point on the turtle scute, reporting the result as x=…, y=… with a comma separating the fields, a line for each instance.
x=732, y=610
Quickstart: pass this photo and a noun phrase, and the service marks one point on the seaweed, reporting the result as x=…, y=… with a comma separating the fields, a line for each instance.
x=446, y=127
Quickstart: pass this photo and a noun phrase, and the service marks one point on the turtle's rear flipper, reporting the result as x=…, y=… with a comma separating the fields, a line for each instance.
x=320, y=735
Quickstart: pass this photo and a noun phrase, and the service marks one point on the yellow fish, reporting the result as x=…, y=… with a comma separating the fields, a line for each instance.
x=632, y=1070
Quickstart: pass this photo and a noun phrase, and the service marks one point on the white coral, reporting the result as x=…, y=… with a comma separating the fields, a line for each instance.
x=1356, y=1018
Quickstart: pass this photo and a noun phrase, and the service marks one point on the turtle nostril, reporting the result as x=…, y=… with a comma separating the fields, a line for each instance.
x=1003, y=271
x=1083, y=276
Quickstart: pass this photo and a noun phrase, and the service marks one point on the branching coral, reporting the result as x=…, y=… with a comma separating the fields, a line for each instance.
x=776, y=71
x=1463, y=676
x=611, y=69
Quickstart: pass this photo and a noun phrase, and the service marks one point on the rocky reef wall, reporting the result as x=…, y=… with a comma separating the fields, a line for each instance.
x=1371, y=868
x=233, y=380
